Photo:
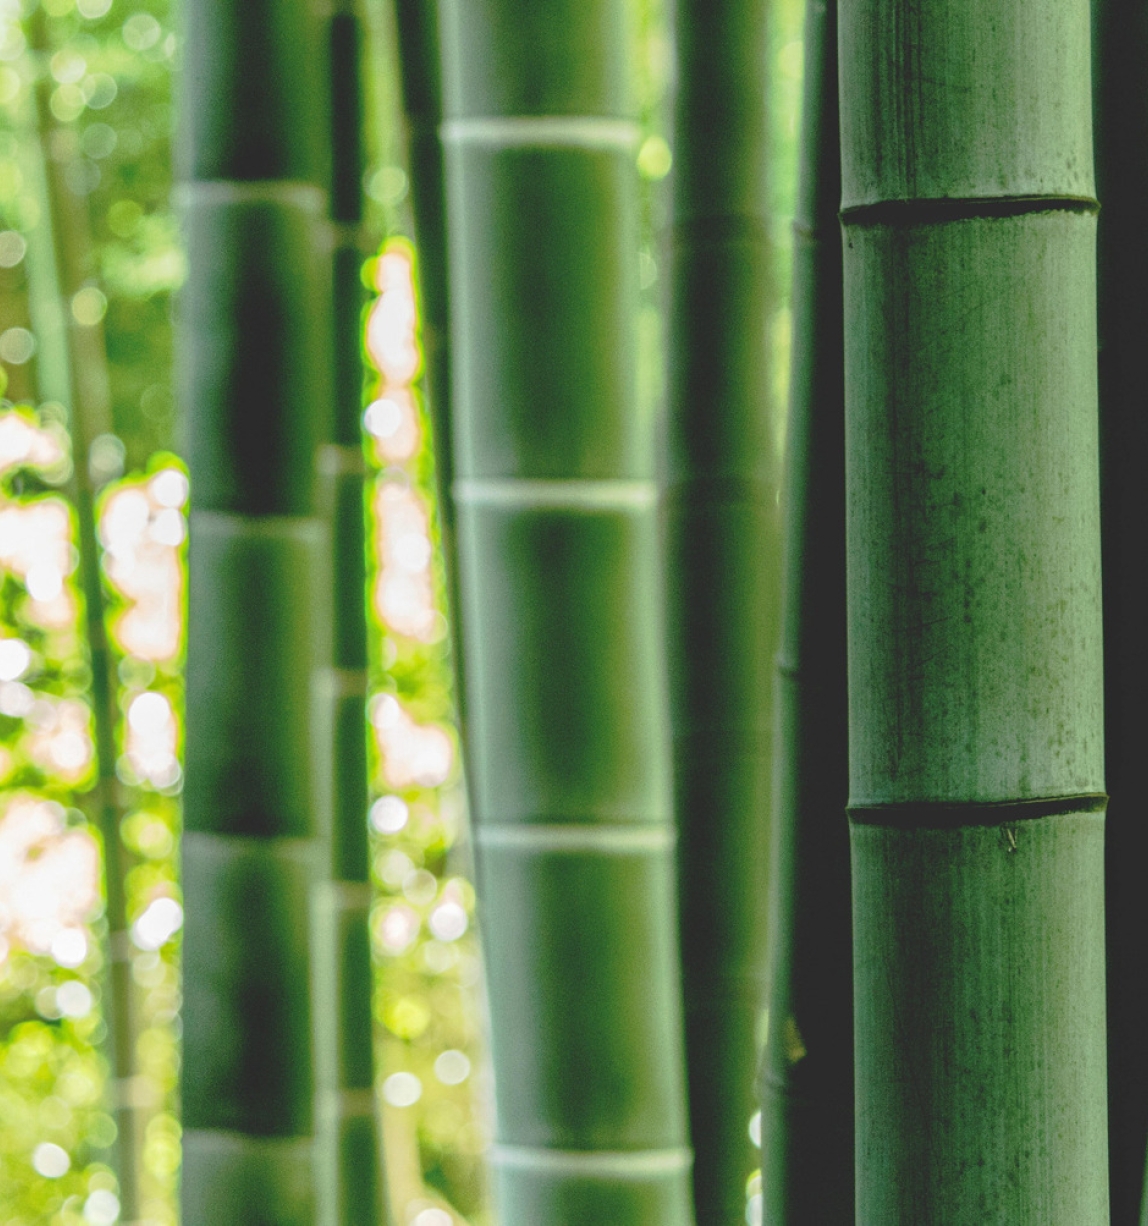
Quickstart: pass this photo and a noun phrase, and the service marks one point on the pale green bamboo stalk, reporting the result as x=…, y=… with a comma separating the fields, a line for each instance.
x=807, y=1091
x=349, y=1168
x=976, y=737
x=560, y=600
x=254, y=332
x=72, y=370
x=723, y=570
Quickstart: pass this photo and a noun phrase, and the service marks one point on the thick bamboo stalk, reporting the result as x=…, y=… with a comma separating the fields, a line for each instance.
x=976, y=739
x=1120, y=45
x=722, y=590
x=72, y=370
x=807, y=1091
x=349, y=1170
x=254, y=327
x=560, y=598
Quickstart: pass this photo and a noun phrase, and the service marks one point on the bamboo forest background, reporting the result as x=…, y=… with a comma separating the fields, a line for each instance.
x=86, y=105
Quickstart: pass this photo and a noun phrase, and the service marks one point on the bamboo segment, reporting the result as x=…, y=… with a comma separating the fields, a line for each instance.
x=557, y=540
x=255, y=386
x=976, y=745
x=348, y=1168
x=807, y=1100
x=1120, y=44
x=722, y=575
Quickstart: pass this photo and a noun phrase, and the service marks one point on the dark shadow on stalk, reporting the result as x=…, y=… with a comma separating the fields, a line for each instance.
x=1120, y=127
x=807, y=1086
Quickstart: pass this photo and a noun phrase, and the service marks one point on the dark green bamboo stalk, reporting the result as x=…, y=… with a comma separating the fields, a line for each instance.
x=1120, y=45
x=417, y=28
x=254, y=332
x=807, y=1092
x=722, y=585
x=557, y=544
x=72, y=369
x=349, y=1171
x=976, y=737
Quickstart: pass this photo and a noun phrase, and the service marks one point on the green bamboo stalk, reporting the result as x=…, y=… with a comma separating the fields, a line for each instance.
x=72, y=370
x=254, y=326
x=807, y=1090
x=976, y=736
x=420, y=68
x=420, y=73
x=349, y=1170
x=723, y=556
x=557, y=544
x=1120, y=44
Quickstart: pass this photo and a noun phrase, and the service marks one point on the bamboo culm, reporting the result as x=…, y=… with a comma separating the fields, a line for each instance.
x=1120, y=44
x=975, y=724
x=348, y=1170
x=722, y=571
x=807, y=1087
x=254, y=385
x=557, y=543
x=72, y=370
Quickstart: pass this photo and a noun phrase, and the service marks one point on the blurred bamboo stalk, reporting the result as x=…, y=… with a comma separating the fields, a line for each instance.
x=557, y=541
x=723, y=570
x=807, y=1090
x=349, y=1169
x=72, y=370
x=255, y=388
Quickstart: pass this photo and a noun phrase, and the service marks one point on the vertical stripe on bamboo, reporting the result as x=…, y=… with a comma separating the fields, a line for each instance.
x=557, y=543
x=976, y=739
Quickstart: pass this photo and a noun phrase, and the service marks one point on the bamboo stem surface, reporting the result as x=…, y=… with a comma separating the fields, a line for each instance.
x=557, y=545
x=976, y=731
x=722, y=574
x=254, y=382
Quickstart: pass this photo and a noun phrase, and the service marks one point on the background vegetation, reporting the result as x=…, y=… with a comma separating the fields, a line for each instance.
x=108, y=70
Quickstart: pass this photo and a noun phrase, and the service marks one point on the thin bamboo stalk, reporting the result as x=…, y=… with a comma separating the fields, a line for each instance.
x=254, y=324
x=976, y=736
x=72, y=370
x=723, y=556
x=420, y=71
x=557, y=545
x=349, y=1170
x=1120, y=44
x=807, y=1098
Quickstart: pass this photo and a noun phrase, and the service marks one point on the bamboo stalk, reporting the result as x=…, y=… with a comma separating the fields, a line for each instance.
x=976, y=737
x=557, y=545
x=73, y=371
x=254, y=322
x=420, y=70
x=349, y=1169
x=1121, y=131
x=807, y=1099
x=722, y=585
